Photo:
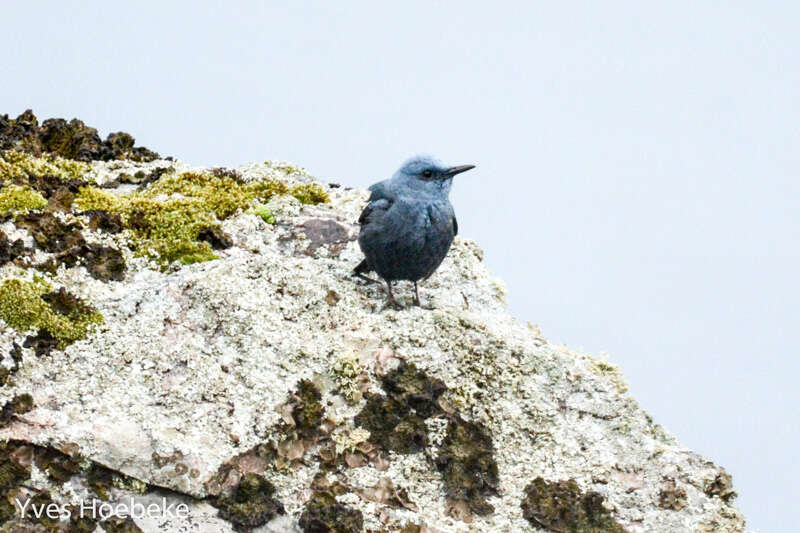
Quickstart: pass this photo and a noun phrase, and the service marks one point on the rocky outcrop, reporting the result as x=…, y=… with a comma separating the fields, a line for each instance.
x=193, y=340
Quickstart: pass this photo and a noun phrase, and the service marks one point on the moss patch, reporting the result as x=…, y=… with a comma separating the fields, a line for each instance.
x=19, y=200
x=176, y=218
x=251, y=503
x=25, y=305
x=16, y=166
x=560, y=506
x=324, y=514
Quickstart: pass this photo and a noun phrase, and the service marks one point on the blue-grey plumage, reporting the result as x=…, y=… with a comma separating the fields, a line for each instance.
x=409, y=224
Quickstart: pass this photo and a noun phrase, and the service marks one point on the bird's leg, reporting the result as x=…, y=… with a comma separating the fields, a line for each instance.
x=416, y=295
x=391, y=302
x=366, y=278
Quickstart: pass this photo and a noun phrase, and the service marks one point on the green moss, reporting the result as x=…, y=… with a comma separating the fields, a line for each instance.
x=310, y=194
x=323, y=514
x=260, y=210
x=16, y=200
x=561, y=506
x=15, y=165
x=266, y=189
x=251, y=504
x=24, y=305
x=166, y=218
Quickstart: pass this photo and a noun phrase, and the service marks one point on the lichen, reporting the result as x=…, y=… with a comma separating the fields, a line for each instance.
x=722, y=487
x=466, y=462
x=12, y=474
x=560, y=506
x=50, y=233
x=101, y=479
x=392, y=425
x=671, y=496
x=31, y=304
x=307, y=411
x=16, y=200
x=251, y=503
x=323, y=514
x=72, y=139
x=116, y=524
x=346, y=371
x=411, y=386
x=18, y=405
x=396, y=421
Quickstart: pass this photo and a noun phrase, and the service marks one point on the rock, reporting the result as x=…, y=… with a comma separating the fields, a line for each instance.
x=265, y=388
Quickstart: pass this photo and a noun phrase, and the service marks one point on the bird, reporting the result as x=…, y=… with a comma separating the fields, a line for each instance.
x=408, y=224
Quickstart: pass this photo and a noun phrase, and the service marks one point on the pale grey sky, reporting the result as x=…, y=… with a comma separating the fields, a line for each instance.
x=637, y=181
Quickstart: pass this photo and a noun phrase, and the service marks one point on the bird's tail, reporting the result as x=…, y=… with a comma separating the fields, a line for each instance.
x=362, y=268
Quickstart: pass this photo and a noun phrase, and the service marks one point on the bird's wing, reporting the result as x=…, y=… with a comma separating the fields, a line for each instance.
x=455, y=226
x=380, y=201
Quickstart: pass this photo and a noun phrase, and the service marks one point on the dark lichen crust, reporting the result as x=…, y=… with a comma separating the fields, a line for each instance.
x=323, y=514
x=396, y=422
x=71, y=140
x=466, y=461
x=562, y=507
x=250, y=504
x=16, y=460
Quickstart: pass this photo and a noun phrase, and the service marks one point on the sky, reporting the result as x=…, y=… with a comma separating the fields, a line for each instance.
x=637, y=164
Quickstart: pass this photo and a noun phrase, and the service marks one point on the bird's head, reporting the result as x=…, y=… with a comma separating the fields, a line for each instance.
x=424, y=173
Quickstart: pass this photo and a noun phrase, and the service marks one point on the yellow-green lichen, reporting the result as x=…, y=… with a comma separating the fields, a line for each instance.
x=15, y=165
x=16, y=200
x=164, y=220
x=23, y=306
x=346, y=371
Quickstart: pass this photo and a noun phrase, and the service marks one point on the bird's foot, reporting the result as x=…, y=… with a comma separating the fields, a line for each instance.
x=391, y=303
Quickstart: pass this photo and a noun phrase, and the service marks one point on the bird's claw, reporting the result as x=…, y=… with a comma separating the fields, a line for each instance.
x=391, y=303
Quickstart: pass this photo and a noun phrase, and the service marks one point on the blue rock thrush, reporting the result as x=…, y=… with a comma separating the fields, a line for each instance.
x=408, y=224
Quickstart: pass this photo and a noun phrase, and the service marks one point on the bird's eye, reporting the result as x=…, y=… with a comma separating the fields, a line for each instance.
x=428, y=173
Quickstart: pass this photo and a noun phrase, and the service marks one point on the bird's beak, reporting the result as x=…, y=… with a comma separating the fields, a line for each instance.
x=452, y=171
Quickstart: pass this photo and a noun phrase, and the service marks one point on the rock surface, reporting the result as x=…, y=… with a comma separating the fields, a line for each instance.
x=269, y=390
